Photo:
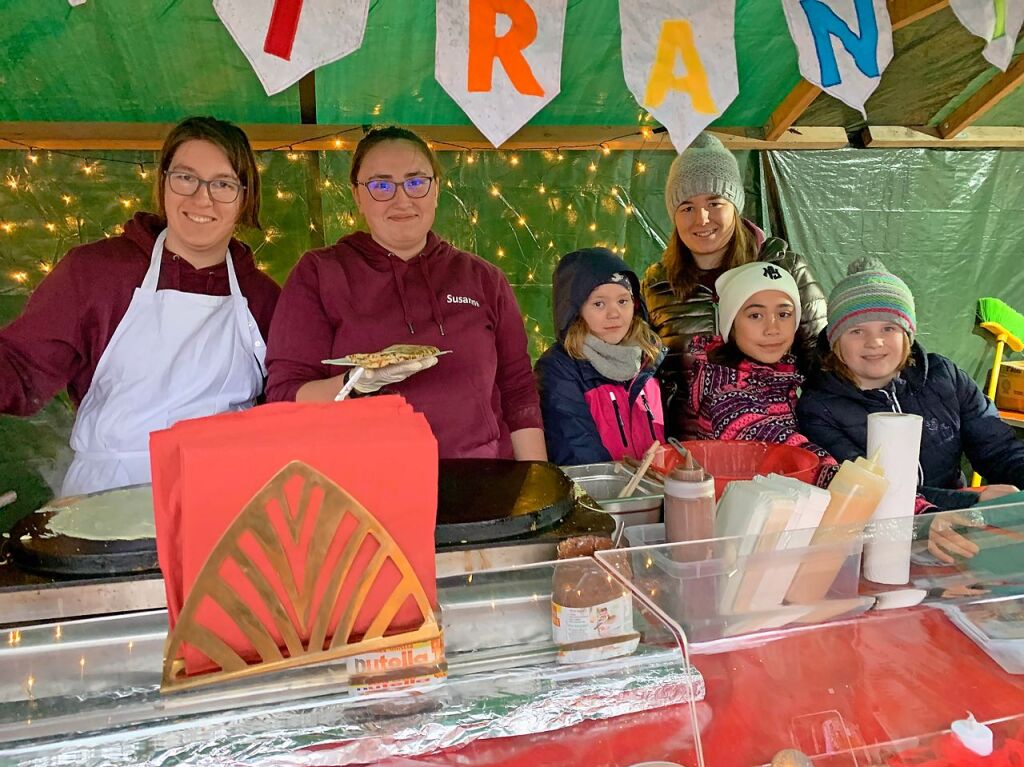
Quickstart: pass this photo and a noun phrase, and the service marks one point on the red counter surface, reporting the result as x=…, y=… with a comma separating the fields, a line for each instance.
x=876, y=678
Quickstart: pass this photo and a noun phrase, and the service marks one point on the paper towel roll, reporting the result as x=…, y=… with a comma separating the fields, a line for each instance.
x=896, y=438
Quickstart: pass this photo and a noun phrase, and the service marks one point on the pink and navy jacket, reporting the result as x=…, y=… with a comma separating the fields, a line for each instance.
x=591, y=419
x=751, y=401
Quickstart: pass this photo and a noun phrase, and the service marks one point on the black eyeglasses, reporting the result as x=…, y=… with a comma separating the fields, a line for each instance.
x=383, y=190
x=220, y=189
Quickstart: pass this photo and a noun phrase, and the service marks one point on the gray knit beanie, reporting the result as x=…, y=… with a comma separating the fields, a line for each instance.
x=704, y=167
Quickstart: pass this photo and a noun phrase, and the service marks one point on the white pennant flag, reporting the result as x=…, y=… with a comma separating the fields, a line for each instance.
x=500, y=60
x=843, y=46
x=998, y=22
x=286, y=39
x=679, y=61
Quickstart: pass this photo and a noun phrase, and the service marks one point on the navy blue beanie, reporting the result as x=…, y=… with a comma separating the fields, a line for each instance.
x=575, y=278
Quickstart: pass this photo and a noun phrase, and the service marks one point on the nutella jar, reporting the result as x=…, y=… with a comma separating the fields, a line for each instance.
x=591, y=613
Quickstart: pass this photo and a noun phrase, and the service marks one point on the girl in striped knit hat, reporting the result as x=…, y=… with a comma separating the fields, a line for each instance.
x=744, y=382
x=871, y=363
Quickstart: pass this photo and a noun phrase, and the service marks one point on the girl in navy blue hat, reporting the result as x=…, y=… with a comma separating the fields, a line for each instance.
x=599, y=396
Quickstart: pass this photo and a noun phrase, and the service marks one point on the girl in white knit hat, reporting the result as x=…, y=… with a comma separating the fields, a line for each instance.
x=744, y=382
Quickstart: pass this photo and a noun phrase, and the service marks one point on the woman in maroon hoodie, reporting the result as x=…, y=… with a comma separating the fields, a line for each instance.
x=401, y=283
x=163, y=322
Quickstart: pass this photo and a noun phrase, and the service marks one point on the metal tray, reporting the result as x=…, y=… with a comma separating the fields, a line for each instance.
x=604, y=481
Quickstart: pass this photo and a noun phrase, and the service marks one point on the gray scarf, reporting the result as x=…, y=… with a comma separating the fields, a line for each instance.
x=618, y=362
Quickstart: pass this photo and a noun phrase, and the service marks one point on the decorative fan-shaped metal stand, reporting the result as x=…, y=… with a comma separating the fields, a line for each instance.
x=302, y=615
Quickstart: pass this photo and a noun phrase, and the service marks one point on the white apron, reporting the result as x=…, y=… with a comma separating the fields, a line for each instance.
x=174, y=355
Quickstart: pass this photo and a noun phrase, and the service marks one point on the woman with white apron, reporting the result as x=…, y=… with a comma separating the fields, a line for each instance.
x=144, y=342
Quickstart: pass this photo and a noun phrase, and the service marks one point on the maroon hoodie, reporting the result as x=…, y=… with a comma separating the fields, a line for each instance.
x=70, y=318
x=354, y=296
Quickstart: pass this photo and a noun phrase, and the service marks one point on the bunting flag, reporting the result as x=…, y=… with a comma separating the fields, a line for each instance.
x=679, y=61
x=843, y=46
x=998, y=22
x=500, y=60
x=286, y=39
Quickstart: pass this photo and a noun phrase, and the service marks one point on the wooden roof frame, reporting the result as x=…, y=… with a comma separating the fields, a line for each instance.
x=901, y=12
x=986, y=97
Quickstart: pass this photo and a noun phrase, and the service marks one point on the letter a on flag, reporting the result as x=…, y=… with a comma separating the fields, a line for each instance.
x=500, y=60
x=843, y=46
x=286, y=39
x=679, y=61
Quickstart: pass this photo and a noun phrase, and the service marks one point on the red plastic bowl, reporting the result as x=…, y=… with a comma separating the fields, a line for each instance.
x=728, y=460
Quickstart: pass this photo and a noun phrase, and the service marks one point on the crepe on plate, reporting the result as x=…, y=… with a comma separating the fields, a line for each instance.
x=390, y=355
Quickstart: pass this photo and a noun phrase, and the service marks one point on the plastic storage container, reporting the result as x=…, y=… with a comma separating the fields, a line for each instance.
x=723, y=593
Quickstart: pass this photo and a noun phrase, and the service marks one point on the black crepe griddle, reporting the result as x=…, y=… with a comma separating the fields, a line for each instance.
x=36, y=548
x=482, y=500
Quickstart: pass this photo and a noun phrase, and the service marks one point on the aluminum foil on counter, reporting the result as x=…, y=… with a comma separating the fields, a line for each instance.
x=344, y=731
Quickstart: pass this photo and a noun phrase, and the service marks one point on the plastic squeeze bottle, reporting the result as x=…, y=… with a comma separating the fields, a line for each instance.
x=690, y=516
x=856, y=490
x=689, y=503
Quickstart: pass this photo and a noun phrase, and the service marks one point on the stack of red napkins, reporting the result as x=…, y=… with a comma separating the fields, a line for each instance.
x=207, y=470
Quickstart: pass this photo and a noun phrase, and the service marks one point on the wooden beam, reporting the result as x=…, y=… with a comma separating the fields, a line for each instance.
x=902, y=13
x=789, y=111
x=898, y=137
x=987, y=96
x=149, y=137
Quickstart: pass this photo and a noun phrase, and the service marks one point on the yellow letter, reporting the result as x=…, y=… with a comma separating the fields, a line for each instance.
x=676, y=39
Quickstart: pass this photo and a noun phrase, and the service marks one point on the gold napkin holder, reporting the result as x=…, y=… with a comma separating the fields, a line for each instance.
x=325, y=642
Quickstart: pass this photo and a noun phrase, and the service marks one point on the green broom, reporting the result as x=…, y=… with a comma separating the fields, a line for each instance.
x=1006, y=325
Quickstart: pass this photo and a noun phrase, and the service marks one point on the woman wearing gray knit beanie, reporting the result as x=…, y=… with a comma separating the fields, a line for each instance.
x=704, y=197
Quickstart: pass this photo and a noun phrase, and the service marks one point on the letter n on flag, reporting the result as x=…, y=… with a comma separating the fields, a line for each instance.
x=500, y=60
x=679, y=61
x=842, y=46
x=286, y=39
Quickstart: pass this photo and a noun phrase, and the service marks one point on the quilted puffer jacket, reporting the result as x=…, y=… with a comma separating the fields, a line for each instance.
x=678, y=319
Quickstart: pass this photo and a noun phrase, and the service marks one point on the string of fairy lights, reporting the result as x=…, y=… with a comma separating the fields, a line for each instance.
x=521, y=209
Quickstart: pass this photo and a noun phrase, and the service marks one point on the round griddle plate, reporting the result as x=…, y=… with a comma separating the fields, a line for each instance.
x=34, y=547
x=482, y=499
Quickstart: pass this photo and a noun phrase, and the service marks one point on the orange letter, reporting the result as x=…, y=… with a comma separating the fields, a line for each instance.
x=676, y=39
x=485, y=46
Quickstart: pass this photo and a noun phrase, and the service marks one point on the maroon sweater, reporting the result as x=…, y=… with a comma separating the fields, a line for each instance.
x=70, y=318
x=356, y=297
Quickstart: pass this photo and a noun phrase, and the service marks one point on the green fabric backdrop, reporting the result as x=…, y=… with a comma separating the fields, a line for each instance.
x=952, y=223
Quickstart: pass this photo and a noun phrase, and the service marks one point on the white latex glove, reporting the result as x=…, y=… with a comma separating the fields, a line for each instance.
x=375, y=380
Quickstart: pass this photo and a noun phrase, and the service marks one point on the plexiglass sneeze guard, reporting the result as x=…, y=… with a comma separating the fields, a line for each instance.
x=86, y=692
x=800, y=650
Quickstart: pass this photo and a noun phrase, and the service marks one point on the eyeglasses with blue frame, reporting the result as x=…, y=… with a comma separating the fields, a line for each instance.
x=382, y=189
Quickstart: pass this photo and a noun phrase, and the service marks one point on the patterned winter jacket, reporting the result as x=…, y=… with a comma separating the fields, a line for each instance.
x=589, y=418
x=752, y=401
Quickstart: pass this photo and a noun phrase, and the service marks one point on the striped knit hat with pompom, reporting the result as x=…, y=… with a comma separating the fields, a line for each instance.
x=870, y=293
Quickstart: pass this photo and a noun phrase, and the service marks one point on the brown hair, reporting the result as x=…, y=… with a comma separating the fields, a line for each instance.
x=234, y=143
x=833, y=362
x=391, y=133
x=640, y=334
x=681, y=267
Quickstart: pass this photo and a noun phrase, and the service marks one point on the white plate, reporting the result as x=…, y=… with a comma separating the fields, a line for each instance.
x=347, y=361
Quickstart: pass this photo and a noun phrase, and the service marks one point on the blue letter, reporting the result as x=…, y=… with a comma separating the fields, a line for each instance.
x=824, y=24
